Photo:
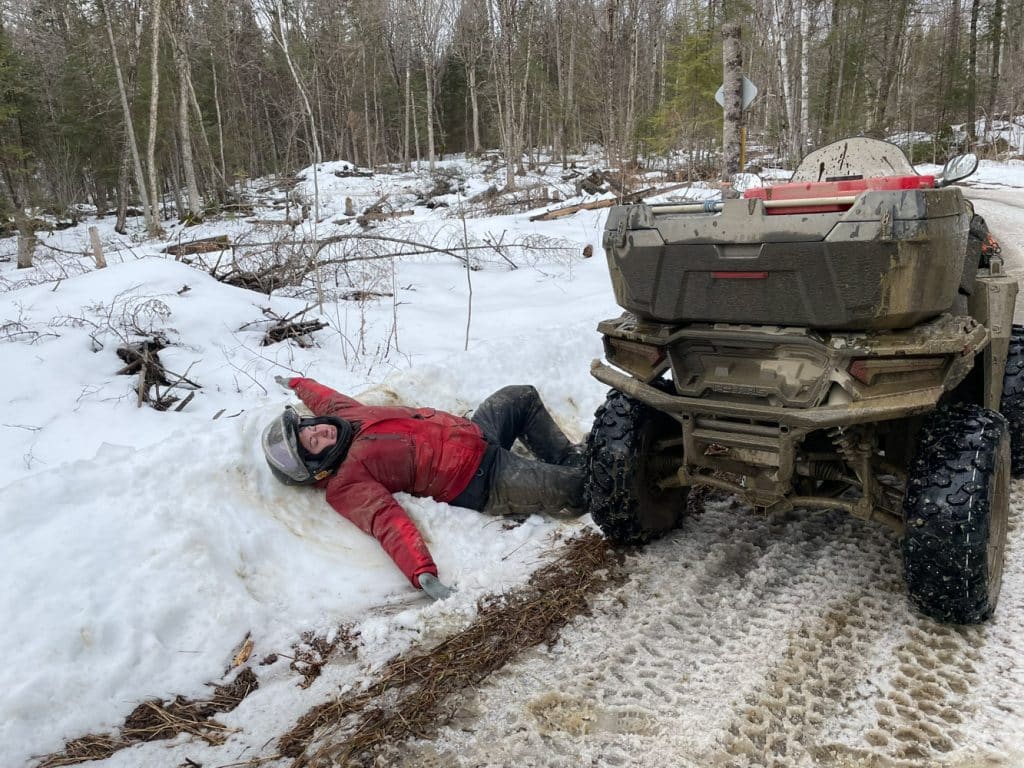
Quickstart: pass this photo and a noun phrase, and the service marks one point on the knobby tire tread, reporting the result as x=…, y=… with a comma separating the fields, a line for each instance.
x=614, y=453
x=1012, y=403
x=948, y=513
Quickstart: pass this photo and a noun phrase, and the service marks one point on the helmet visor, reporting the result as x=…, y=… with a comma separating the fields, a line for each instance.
x=281, y=448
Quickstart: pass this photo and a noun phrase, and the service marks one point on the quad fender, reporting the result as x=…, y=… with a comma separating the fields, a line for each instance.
x=991, y=303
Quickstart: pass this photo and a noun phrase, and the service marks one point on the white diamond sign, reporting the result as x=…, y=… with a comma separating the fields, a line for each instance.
x=748, y=95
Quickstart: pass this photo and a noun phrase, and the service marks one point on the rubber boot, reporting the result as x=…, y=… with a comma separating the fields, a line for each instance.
x=520, y=486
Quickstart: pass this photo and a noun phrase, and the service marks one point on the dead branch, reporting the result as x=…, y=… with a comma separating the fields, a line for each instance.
x=626, y=199
x=203, y=245
x=355, y=172
x=368, y=218
x=143, y=358
x=411, y=691
x=299, y=331
x=155, y=720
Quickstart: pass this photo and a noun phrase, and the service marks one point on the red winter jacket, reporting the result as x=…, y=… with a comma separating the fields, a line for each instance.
x=416, y=450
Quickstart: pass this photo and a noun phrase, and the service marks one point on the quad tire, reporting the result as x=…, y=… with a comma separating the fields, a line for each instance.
x=628, y=457
x=1012, y=404
x=956, y=511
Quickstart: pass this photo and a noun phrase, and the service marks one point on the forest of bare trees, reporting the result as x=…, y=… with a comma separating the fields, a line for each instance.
x=137, y=102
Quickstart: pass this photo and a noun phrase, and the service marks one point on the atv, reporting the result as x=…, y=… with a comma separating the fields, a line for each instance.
x=837, y=342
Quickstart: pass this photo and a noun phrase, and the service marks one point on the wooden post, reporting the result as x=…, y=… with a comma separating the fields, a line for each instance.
x=142, y=386
x=26, y=246
x=732, y=70
x=97, y=248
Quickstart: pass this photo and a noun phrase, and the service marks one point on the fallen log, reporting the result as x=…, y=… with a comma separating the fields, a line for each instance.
x=271, y=222
x=631, y=198
x=203, y=245
x=569, y=210
x=365, y=219
x=297, y=330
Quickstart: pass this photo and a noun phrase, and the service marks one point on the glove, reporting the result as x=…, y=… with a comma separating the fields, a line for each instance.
x=430, y=584
x=283, y=381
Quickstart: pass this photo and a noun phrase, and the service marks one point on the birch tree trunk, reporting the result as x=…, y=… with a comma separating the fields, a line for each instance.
x=281, y=37
x=471, y=35
x=428, y=73
x=282, y=40
x=778, y=23
x=415, y=129
x=732, y=70
x=26, y=242
x=366, y=114
x=500, y=13
x=121, y=222
x=195, y=207
x=216, y=171
x=805, y=101
x=474, y=100
x=408, y=113
x=997, y=45
x=154, y=104
x=519, y=125
x=220, y=125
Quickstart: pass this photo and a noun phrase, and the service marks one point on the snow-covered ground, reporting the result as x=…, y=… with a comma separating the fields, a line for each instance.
x=140, y=547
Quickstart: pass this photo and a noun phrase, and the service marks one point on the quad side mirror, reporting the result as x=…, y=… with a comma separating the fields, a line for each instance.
x=957, y=168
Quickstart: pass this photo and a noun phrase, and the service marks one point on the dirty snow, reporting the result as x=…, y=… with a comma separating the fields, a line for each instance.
x=140, y=548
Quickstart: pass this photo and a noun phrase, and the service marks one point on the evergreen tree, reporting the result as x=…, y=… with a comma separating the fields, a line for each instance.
x=689, y=117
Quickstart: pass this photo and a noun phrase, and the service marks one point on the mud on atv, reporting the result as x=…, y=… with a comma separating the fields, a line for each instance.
x=833, y=343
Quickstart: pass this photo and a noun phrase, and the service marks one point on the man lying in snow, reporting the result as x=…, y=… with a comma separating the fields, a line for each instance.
x=362, y=454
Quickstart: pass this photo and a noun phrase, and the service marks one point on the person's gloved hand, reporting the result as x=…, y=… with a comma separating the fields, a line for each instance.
x=283, y=381
x=430, y=584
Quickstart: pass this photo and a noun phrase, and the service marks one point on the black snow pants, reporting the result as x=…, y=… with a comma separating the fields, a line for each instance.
x=509, y=484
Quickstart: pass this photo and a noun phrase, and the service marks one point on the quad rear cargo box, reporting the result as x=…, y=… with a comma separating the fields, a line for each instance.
x=842, y=253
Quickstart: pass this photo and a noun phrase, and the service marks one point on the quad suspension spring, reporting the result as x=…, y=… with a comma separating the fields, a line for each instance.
x=845, y=442
x=827, y=470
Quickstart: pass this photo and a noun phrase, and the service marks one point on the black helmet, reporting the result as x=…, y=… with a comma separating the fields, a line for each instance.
x=289, y=461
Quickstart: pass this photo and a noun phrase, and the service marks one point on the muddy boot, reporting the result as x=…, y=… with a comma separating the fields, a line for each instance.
x=517, y=412
x=519, y=486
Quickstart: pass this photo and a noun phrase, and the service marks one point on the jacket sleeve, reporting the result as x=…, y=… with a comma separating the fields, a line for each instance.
x=371, y=506
x=321, y=400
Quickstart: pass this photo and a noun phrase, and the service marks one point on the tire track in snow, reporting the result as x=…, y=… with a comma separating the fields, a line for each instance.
x=745, y=642
x=817, y=679
x=658, y=672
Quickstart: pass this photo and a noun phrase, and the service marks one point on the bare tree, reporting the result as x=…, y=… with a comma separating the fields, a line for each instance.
x=280, y=32
x=154, y=104
x=732, y=68
x=972, y=74
x=997, y=40
x=195, y=210
x=129, y=126
x=432, y=26
x=510, y=66
x=470, y=46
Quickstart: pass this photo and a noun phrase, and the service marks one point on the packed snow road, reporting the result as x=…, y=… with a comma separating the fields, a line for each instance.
x=1003, y=209
x=746, y=641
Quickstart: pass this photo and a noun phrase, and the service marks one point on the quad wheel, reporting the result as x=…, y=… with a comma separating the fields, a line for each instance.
x=955, y=511
x=634, y=453
x=1012, y=404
